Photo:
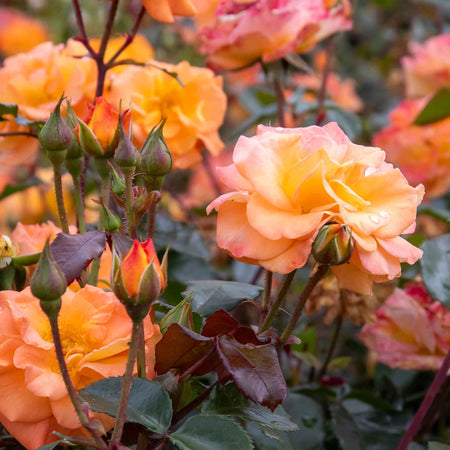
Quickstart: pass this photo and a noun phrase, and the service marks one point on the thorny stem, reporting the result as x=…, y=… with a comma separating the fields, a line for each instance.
x=151, y=216
x=416, y=423
x=130, y=37
x=267, y=291
x=129, y=204
x=321, y=114
x=287, y=280
x=59, y=198
x=104, y=193
x=84, y=419
x=318, y=272
x=337, y=331
x=126, y=385
x=82, y=28
x=192, y=405
x=79, y=205
x=141, y=367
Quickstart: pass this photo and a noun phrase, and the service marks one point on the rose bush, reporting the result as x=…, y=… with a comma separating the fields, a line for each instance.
x=287, y=183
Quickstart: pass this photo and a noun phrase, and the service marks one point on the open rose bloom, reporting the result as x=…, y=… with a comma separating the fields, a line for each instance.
x=421, y=152
x=428, y=69
x=287, y=183
x=246, y=31
x=412, y=331
x=95, y=332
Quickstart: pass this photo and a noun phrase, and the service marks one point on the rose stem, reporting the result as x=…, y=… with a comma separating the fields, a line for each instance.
x=69, y=386
x=129, y=203
x=416, y=423
x=287, y=280
x=337, y=331
x=318, y=272
x=281, y=101
x=104, y=194
x=57, y=176
x=79, y=205
x=321, y=114
x=126, y=385
x=18, y=133
x=267, y=291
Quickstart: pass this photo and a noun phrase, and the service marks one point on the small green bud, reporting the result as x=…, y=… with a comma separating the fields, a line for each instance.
x=156, y=160
x=126, y=155
x=56, y=136
x=48, y=282
x=117, y=183
x=112, y=222
x=333, y=245
x=89, y=143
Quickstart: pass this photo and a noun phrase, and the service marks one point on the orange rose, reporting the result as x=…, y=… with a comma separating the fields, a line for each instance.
x=193, y=112
x=421, y=152
x=411, y=332
x=18, y=32
x=288, y=183
x=140, y=276
x=428, y=69
x=246, y=31
x=95, y=332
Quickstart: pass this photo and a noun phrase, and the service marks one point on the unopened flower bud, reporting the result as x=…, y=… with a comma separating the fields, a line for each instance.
x=117, y=182
x=56, y=136
x=156, y=159
x=48, y=283
x=89, y=143
x=112, y=222
x=333, y=244
x=126, y=155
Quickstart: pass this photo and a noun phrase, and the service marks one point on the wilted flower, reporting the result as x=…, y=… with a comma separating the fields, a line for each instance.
x=289, y=182
x=193, y=110
x=95, y=332
x=245, y=32
x=421, y=152
x=428, y=69
x=412, y=331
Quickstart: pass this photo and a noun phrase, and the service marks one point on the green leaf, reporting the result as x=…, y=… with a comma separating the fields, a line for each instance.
x=438, y=108
x=8, y=108
x=178, y=314
x=211, y=432
x=227, y=400
x=50, y=446
x=12, y=189
x=435, y=265
x=211, y=295
x=345, y=428
x=149, y=404
x=339, y=363
x=180, y=237
x=438, y=446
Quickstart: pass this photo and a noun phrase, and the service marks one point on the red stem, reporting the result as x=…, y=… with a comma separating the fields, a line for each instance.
x=416, y=423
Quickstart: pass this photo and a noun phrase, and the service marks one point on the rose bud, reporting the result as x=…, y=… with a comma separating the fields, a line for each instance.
x=333, y=244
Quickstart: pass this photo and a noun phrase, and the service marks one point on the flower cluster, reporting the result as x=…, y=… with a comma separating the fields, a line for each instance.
x=288, y=183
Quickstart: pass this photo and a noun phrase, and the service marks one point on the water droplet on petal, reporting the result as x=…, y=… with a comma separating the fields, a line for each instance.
x=383, y=214
x=374, y=218
x=279, y=128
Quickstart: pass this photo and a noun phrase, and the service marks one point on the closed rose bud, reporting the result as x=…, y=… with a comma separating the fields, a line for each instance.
x=112, y=222
x=126, y=155
x=156, y=159
x=48, y=283
x=140, y=279
x=333, y=245
x=56, y=136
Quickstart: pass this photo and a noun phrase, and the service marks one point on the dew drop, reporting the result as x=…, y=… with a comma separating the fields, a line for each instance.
x=383, y=214
x=374, y=218
x=279, y=128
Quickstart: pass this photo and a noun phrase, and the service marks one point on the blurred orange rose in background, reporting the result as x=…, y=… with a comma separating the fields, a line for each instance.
x=95, y=332
x=421, y=152
x=19, y=32
x=194, y=111
x=411, y=332
x=244, y=32
x=287, y=183
x=428, y=69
